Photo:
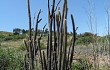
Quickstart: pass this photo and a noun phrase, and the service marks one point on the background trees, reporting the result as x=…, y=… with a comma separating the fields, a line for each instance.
x=16, y=31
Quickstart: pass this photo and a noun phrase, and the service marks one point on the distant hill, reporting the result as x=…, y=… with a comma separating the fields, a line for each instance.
x=5, y=32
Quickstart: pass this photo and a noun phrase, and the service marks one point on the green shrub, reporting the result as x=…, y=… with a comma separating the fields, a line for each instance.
x=42, y=46
x=2, y=37
x=10, y=59
x=22, y=47
x=84, y=40
x=82, y=64
x=12, y=37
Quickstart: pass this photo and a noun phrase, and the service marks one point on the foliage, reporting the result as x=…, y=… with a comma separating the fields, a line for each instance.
x=16, y=31
x=87, y=34
x=82, y=64
x=43, y=46
x=22, y=47
x=23, y=31
x=11, y=37
x=85, y=40
x=10, y=59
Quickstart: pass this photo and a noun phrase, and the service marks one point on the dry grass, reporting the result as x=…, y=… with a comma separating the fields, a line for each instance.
x=11, y=44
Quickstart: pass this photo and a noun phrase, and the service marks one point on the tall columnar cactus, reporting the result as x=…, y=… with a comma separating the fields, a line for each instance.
x=57, y=56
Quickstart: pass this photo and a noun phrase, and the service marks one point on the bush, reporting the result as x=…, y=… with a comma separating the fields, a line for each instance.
x=42, y=46
x=82, y=64
x=22, y=47
x=12, y=37
x=85, y=40
x=10, y=59
x=2, y=37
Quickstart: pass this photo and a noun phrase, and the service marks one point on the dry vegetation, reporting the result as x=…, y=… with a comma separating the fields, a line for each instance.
x=56, y=49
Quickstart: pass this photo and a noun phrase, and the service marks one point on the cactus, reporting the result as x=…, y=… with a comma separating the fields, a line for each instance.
x=56, y=57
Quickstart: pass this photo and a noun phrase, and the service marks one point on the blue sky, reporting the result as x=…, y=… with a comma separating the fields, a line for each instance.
x=13, y=14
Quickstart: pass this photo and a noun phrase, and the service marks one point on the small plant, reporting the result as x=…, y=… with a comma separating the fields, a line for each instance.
x=82, y=64
x=10, y=59
x=22, y=47
x=43, y=46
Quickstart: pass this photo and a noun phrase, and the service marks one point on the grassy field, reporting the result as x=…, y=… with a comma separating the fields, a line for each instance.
x=14, y=49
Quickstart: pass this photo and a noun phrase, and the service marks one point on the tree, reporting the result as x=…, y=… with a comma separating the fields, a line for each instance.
x=16, y=31
x=88, y=34
x=23, y=31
